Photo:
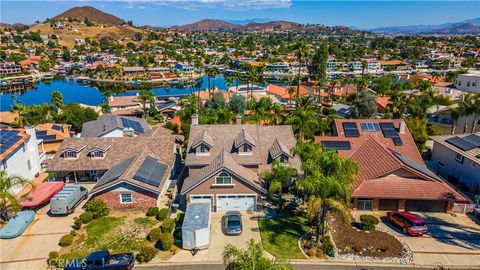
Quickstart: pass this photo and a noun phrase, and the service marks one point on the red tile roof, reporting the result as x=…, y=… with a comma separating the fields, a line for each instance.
x=282, y=91
x=382, y=101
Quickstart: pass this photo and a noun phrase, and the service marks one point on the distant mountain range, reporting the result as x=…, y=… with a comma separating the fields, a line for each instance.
x=216, y=25
x=471, y=26
x=256, y=20
x=91, y=13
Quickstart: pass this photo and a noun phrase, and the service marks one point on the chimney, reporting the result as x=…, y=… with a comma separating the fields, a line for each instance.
x=194, y=119
x=238, y=120
x=402, y=127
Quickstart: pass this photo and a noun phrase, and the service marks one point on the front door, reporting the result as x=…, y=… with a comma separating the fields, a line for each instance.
x=366, y=205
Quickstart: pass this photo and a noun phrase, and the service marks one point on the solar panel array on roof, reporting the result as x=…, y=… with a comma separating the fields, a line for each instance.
x=57, y=127
x=389, y=131
x=338, y=145
x=115, y=172
x=370, y=127
x=41, y=133
x=7, y=139
x=150, y=172
x=47, y=137
x=461, y=143
x=132, y=124
x=473, y=138
x=350, y=129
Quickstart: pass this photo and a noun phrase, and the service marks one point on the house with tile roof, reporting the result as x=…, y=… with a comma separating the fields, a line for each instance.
x=392, y=175
x=128, y=172
x=224, y=163
x=52, y=136
x=457, y=159
x=281, y=93
x=19, y=153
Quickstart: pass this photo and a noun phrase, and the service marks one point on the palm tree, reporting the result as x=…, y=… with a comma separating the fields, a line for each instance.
x=7, y=199
x=145, y=96
x=57, y=100
x=476, y=112
x=302, y=51
x=277, y=179
x=290, y=91
x=251, y=258
x=397, y=103
x=467, y=107
x=454, y=114
x=19, y=108
x=304, y=119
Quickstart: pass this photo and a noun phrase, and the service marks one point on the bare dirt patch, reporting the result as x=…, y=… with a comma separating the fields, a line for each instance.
x=350, y=240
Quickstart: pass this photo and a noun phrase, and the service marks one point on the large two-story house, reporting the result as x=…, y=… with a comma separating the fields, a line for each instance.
x=128, y=172
x=224, y=163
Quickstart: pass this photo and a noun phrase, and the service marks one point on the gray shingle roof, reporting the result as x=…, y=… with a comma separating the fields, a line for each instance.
x=223, y=161
x=108, y=122
x=244, y=137
x=204, y=139
x=277, y=149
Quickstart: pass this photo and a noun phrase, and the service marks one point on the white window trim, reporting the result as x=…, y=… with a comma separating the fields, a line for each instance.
x=131, y=197
x=223, y=184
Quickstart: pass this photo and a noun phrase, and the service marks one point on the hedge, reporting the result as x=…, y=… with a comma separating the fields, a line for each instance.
x=162, y=214
x=168, y=225
x=66, y=240
x=152, y=212
x=146, y=254
x=154, y=235
x=86, y=217
x=166, y=241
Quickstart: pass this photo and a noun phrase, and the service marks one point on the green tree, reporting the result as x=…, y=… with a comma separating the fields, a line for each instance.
x=237, y=104
x=467, y=107
x=397, y=103
x=57, y=99
x=277, y=179
x=365, y=105
x=145, y=96
x=382, y=85
x=19, y=108
x=44, y=66
x=251, y=258
x=75, y=115
x=7, y=198
x=304, y=118
x=318, y=68
x=418, y=128
x=301, y=52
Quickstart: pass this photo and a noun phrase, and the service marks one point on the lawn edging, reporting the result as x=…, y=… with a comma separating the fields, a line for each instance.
x=300, y=246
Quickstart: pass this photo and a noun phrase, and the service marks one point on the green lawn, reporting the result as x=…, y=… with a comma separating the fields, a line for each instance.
x=280, y=235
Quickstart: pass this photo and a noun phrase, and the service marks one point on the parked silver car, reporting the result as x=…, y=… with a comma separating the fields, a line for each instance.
x=67, y=199
x=232, y=223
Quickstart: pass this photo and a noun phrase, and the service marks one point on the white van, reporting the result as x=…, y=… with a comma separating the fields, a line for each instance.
x=67, y=199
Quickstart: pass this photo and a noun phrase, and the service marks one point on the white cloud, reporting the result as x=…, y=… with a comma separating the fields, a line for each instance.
x=227, y=4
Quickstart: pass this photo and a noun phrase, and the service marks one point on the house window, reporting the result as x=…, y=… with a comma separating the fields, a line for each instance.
x=283, y=159
x=223, y=179
x=96, y=154
x=245, y=148
x=203, y=149
x=468, y=84
x=459, y=158
x=126, y=198
x=474, y=164
x=70, y=154
x=4, y=163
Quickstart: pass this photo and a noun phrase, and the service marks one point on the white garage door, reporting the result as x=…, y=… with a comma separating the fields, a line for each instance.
x=236, y=202
x=201, y=198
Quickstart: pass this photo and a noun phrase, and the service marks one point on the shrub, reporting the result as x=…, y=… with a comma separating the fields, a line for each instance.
x=86, y=217
x=52, y=256
x=152, y=212
x=154, y=235
x=179, y=218
x=66, y=240
x=77, y=224
x=162, y=214
x=369, y=222
x=73, y=233
x=146, y=254
x=312, y=252
x=166, y=241
x=168, y=225
x=327, y=246
x=98, y=208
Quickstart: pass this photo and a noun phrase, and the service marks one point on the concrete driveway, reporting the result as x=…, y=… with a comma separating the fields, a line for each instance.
x=451, y=240
x=218, y=239
x=30, y=250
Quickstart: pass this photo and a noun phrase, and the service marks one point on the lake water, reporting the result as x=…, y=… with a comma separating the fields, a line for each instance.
x=86, y=94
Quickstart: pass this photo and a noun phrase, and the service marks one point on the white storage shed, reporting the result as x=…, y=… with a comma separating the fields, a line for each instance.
x=196, y=226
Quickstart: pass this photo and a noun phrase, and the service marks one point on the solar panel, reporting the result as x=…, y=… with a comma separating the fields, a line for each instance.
x=397, y=141
x=461, y=143
x=57, y=127
x=47, y=137
x=370, y=127
x=473, y=138
x=115, y=172
x=350, y=129
x=412, y=164
x=150, y=172
x=388, y=130
x=7, y=139
x=338, y=145
x=132, y=124
x=40, y=133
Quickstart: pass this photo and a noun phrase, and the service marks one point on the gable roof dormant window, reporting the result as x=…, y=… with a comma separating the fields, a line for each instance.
x=205, y=139
x=244, y=138
x=277, y=149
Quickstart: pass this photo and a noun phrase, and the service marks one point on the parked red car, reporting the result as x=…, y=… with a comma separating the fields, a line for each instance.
x=408, y=222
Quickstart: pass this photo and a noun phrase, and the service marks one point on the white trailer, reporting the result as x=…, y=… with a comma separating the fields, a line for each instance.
x=196, y=226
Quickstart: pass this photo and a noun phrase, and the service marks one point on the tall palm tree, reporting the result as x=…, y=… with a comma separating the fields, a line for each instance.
x=57, y=100
x=291, y=91
x=146, y=95
x=7, y=198
x=302, y=52
x=476, y=112
x=397, y=103
x=304, y=118
x=19, y=108
x=467, y=107
x=251, y=258
x=454, y=114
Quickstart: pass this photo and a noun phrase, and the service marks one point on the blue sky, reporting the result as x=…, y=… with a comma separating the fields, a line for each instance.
x=361, y=14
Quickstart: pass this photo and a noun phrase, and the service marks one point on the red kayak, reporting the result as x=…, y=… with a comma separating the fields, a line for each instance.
x=41, y=194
